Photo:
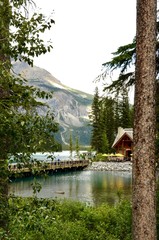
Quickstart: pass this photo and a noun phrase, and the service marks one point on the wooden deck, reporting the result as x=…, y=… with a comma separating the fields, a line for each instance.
x=48, y=167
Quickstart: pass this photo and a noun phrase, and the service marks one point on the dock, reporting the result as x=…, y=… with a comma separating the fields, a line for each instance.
x=47, y=167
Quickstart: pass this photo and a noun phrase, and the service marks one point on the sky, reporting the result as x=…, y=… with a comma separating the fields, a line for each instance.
x=85, y=34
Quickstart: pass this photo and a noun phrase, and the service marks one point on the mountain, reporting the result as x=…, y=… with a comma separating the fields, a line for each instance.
x=71, y=107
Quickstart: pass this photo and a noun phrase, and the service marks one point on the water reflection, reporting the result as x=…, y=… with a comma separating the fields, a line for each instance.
x=110, y=186
x=92, y=187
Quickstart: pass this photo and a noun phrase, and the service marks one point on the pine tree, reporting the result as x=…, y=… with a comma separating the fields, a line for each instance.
x=70, y=145
x=117, y=113
x=108, y=120
x=105, y=144
x=125, y=109
x=95, y=122
x=77, y=146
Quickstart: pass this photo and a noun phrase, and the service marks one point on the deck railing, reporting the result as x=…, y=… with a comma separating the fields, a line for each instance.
x=48, y=166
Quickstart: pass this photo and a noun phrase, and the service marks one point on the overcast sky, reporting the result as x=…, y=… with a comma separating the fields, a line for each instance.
x=85, y=34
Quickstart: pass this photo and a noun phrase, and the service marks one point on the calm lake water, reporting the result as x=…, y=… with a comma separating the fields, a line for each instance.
x=92, y=187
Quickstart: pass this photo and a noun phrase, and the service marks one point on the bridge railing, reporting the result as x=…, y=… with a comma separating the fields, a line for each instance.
x=53, y=165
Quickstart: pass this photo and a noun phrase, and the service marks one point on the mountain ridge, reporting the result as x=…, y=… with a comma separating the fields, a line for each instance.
x=70, y=106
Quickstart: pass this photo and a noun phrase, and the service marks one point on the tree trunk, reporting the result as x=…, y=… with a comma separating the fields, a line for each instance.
x=4, y=64
x=4, y=217
x=144, y=179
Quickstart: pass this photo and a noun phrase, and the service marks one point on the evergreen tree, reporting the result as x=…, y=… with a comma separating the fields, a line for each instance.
x=70, y=145
x=117, y=112
x=105, y=144
x=123, y=59
x=102, y=135
x=125, y=109
x=108, y=120
x=107, y=115
x=131, y=115
x=95, y=122
x=77, y=146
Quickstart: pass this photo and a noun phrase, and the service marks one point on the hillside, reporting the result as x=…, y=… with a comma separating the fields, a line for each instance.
x=71, y=107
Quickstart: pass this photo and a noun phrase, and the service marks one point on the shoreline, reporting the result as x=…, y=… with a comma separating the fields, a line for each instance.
x=110, y=166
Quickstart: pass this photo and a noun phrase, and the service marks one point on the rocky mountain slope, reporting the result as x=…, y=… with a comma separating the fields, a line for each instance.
x=71, y=107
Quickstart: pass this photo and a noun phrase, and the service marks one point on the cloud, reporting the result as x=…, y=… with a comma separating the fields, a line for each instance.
x=85, y=34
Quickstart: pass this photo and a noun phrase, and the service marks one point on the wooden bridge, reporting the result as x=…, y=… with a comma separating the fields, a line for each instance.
x=48, y=167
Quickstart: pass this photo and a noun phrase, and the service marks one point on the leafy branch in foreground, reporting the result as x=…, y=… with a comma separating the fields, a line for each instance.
x=23, y=130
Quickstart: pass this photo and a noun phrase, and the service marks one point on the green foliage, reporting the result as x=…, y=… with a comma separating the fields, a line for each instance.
x=124, y=56
x=96, y=140
x=49, y=219
x=77, y=147
x=124, y=59
x=25, y=31
x=124, y=113
x=70, y=145
x=99, y=157
x=107, y=115
x=21, y=125
x=105, y=144
x=36, y=187
x=23, y=130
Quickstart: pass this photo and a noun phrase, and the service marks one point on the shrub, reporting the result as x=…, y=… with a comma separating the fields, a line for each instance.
x=40, y=219
x=99, y=157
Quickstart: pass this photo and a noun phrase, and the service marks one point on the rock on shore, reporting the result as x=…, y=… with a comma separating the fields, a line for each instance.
x=110, y=166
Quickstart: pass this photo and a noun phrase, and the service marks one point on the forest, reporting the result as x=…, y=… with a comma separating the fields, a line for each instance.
x=23, y=131
x=109, y=113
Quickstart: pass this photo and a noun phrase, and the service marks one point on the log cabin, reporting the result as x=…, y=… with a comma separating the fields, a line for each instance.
x=123, y=143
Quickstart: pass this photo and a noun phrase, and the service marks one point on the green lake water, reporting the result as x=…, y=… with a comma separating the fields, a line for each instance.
x=91, y=187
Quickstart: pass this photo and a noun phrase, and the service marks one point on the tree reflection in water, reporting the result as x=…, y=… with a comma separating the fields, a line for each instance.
x=93, y=187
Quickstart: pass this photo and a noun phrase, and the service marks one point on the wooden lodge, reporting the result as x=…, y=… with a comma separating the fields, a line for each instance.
x=123, y=143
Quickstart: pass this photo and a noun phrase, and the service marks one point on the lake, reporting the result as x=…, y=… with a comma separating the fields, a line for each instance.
x=91, y=187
